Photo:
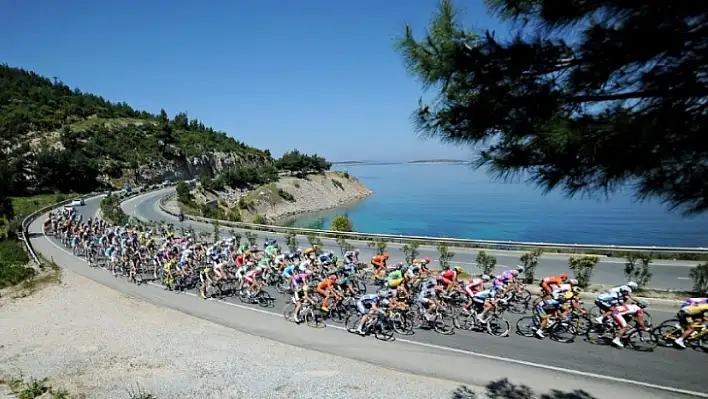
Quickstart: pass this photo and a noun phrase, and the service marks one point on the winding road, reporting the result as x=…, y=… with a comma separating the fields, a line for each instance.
x=467, y=357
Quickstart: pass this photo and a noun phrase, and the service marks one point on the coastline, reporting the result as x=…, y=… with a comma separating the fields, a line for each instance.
x=286, y=219
x=291, y=197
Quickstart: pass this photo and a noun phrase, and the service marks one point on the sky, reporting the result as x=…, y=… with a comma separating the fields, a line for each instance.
x=320, y=76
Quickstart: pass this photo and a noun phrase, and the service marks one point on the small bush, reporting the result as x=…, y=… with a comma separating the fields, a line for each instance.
x=379, y=245
x=410, y=251
x=341, y=223
x=344, y=246
x=699, y=274
x=338, y=184
x=486, y=263
x=583, y=268
x=251, y=238
x=244, y=203
x=346, y=175
x=530, y=260
x=286, y=195
x=259, y=219
x=638, y=268
x=314, y=240
x=291, y=241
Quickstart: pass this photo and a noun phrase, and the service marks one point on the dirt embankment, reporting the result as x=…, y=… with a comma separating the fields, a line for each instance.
x=292, y=196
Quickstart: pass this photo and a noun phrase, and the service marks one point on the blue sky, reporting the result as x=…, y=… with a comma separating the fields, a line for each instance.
x=318, y=75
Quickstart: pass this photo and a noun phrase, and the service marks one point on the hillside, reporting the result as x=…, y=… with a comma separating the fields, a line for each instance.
x=54, y=138
x=286, y=196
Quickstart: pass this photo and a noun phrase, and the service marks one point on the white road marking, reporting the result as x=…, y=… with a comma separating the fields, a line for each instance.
x=461, y=351
x=683, y=278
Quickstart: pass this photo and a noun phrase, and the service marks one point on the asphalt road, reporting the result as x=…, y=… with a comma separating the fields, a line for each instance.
x=668, y=274
x=468, y=357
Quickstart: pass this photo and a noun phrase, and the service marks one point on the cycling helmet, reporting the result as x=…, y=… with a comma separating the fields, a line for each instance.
x=625, y=288
x=386, y=255
x=259, y=269
x=458, y=269
x=399, y=265
x=485, y=278
x=428, y=259
x=573, y=282
x=356, y=251
x=643, y=304
x=515, y=273
x=332, y=276
x=519, y=268
x=250, y=264
x=563, y=276
x=632, y=285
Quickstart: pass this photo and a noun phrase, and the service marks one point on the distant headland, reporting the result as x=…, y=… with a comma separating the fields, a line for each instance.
x=421, y=161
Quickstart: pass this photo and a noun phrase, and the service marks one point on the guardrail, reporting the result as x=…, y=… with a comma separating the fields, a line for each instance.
x=470, y=243
x=24, y=234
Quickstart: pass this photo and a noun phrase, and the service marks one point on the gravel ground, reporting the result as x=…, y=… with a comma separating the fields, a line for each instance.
x=94, y=341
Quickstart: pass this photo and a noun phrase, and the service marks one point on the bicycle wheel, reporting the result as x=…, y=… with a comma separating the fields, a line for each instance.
x=643, y=341
x=524, y=297
x=647, y=319
x=562, y=332
x=383, y=330
x=313, y=319
x=598, y=334
x=289, y=312
x=498, y=326
x=667, y=332
x=581, y=324
x=352, y=322
x=595, y=312
x=526, y=326
x=465, y=321
x=442, y=324
x=401, y=324
x=265, y=299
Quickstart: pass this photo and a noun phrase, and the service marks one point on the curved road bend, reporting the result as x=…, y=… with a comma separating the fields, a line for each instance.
x=667, y=274
x=465, y=357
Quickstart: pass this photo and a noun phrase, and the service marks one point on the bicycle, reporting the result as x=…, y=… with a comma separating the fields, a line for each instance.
x=307, y=313
x=261, y=297
x=636, y=338
x=669, y=331
x=378, y=324
x=558, y=330
x=495, y=324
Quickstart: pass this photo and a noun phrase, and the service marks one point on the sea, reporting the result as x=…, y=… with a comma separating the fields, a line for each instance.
x=455, y=200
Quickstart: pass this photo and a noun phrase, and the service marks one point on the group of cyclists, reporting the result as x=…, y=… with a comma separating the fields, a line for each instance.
x=319, y=278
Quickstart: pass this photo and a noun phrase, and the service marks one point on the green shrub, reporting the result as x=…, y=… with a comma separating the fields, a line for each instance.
x=341, y=223
x=379, y=245
x=410, y=251
x=285, y=195
x=11, y=251
x=14, y=273
x=699, y=274
x=638, y=269
x=295, y=161
x=444, y=256
x=583, y=268
x=259, y=219
x=530, y=260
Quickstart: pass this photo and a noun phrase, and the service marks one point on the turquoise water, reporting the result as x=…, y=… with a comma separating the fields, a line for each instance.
x=456, y=201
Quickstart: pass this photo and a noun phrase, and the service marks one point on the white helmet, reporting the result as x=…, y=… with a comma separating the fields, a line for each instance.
x=514, y=273
x=485, y=278
x=632, y=285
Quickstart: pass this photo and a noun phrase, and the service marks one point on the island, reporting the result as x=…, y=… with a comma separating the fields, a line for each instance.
x=440, y=161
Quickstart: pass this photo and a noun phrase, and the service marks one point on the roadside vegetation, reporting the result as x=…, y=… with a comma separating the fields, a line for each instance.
x=58, y=139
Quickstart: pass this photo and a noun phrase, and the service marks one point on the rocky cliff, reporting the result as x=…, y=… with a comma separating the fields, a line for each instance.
x=290, y=196
x=206, y=165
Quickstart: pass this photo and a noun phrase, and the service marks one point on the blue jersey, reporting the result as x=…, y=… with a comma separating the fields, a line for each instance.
x=288, y=271
x=324, y=258
x=486, y=294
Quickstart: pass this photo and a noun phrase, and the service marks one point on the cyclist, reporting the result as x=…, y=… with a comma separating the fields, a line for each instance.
x=620, y=312
x=379, y=262
x=301, y=292
x=505, y=280
x=485, y=300
x=614, y=297
x=326, y=258
x=272, y=250
x=693, y=313
x=394, y=279
x=251, y=278
x=547, y=308
x=472, y=287
x=325, y=288
x=548, y=283
x=205, y=277
x=367, y=305
x=352, y=256
x=448, y=278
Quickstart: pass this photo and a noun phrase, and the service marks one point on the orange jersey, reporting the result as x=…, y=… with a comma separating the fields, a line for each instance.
x=324, y=284
x=378, y=259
